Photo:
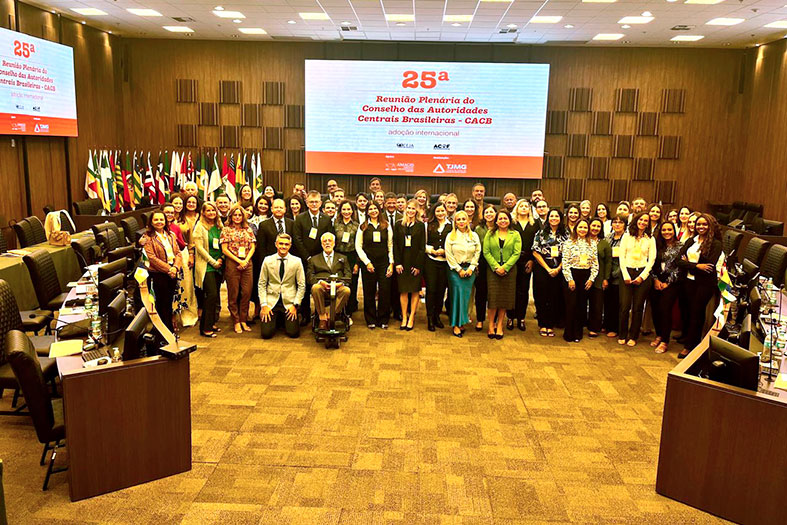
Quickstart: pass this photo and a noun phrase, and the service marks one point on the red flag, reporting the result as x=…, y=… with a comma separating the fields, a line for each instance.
x=126, y=173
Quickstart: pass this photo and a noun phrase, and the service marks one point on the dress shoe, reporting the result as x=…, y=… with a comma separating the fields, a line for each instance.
x=430, y=325
x=521, y=325
x=438, y=323
x=510, y=324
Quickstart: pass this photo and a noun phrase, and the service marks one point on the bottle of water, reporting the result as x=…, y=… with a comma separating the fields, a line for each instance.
x=88, y=306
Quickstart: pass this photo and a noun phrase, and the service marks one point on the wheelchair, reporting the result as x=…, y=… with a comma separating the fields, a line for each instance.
x=338, y=322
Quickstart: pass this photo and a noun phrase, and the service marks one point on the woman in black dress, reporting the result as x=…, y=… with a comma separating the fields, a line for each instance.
x=409, y=245
x=435, y=265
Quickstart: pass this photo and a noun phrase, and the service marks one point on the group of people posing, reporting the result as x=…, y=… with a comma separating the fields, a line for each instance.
x=641, y=269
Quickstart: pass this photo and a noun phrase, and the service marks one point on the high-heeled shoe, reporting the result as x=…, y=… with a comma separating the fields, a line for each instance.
x=410, y=325
x=490, y=336
x=498, y=336
x=479, y=327
x=459, y=335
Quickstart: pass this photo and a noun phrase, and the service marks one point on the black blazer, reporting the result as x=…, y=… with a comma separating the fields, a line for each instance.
x=266, y=236
x=305, y=246
x=436, y=239
x=417, y=248
x=712, y=258
x=527, y=234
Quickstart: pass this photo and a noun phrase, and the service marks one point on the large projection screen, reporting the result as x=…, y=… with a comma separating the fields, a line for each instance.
x=37, y=95
x=451, y=119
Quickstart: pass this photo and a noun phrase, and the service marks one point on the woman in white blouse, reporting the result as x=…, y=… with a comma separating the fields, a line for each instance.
x=374, y=245
x=462, y=250
x=637, y=254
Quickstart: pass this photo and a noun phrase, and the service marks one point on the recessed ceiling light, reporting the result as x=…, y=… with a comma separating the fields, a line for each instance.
x=687, y=38
x=635, y=20
x=647, y=13
x=456, y=24
x=143, y=12
x=218, y=8
x=724, y=21
x=781, y=24
x=314, y=16
x=608, y=36
x=346, y=23
x=88, y=11
x=229, y=14
x=599, y=1
x=625, y=26
x=546, y=19
x=703, y=2
x=671, y=1
x=252, y=31
x=511, y=26
x=403, y=17
x=401, y=24
x=179, y=29
x=756, y=45
x=457, y=18
x=291, y=21
x=237, y=21
x=569, y=26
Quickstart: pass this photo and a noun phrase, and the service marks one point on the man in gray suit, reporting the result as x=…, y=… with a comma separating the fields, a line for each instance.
x=282, y=287
x=324, y=266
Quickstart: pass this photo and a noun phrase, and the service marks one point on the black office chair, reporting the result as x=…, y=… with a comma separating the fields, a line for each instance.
x=731, y=241
x=24, y=233
x=3, y=243
x=87, y=207
x=66, y=223
x=37, y=227
x=752, y=212
x=45, y=280
x=146, y=217
x=755, y=250
x=28, y=321
x=774, y=264
x=131, y=230
x=47, y=413
x=88, y=252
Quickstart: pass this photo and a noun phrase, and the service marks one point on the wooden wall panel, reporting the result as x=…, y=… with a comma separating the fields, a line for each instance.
x=762, y=178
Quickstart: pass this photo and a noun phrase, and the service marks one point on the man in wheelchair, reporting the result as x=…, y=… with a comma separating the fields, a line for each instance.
x=325, y=271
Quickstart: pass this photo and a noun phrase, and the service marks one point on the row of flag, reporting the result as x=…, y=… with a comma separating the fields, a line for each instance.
x=121, y=181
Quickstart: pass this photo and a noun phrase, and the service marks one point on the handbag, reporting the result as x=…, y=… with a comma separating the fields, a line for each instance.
x=54, y=235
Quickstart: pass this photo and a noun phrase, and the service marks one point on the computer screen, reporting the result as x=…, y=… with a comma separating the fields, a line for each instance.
x=732, y=365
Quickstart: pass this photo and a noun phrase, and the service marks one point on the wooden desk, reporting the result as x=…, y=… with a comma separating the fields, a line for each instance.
x=722, y=447
x=126, y=423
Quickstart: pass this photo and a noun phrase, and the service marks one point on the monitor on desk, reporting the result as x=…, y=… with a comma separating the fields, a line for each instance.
x=107, y=289
x=134, y=339
x=732, y=365
x=105, y=271
x=116, y=320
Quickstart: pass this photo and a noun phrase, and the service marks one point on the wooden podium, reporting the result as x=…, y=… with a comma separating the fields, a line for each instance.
x=126, y=423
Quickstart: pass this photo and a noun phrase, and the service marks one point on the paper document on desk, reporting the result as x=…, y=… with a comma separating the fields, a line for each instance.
x=72, y=310
x=20, y=253
x=65, y=348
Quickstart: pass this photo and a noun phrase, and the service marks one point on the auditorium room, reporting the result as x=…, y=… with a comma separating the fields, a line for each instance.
x=350, y=262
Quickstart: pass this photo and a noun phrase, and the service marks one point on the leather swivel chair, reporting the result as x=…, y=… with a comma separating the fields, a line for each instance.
x=774, y=264
x=88, y=252
x=755, y=250
x=731, y=241
x=131, y=230
x=87, y=207
x=37, y=227
x=28, y=321
x=8, y=378
x=3, y=243
x=24, y=233
x=45, y=280
x=47, y=413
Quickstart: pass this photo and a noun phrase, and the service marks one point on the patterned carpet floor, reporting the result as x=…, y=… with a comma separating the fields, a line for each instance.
x=394, y=428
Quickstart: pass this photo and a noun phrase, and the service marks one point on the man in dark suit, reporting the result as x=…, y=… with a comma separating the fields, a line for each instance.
x=268, y=230
x=393, y=216
x=307, y=232
x=320, y=269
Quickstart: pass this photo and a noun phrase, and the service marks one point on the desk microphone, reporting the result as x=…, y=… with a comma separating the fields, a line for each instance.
x=77, y=324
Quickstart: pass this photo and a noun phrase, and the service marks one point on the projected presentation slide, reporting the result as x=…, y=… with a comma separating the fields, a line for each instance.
x=37, y=95
x=452, y=119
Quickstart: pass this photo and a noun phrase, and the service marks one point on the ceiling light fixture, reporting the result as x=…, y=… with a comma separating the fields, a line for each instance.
x=346, y=23
x=143, y=12
x=400, y=24
x=314, y=16
x=179, y=29
x=569, y=26
x=511, y=26
x=780, y=24
x=88, y=11
x=724, y=21
x=635, y=20
x=401, y=17
x=608, y=36
x=291, y=21
x=687, y=38
x=456, y=24
x=218, y=8
x=599, y=1
x=457, y=18
x=229, y=14
x=252, y=31
x=702, y=2
x=237, y=21
x=546, y=19
x=671, y=1
x=625, y=26
x=646, y=13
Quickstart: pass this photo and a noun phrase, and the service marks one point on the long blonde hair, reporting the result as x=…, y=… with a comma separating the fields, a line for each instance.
x=216, y=221
x=452, y=235
x=516, y=213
